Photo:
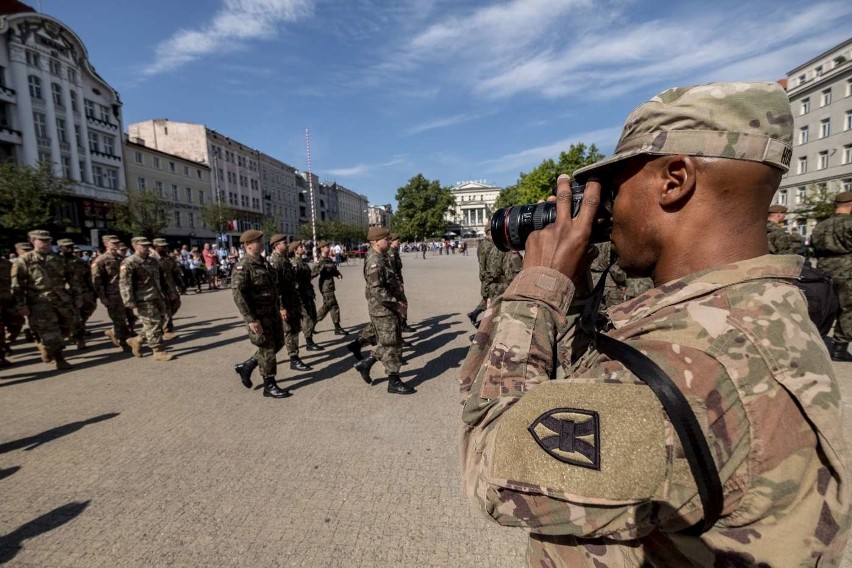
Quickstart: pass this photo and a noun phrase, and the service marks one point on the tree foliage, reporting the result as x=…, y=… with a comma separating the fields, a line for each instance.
x=143, y=214
x=538, y=183
x=28, y=195
x=817, y=203
x=336, y=231
x=215, y=216
x=422, y=206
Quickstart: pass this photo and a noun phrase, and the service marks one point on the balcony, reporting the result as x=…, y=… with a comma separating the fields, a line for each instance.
x=101, y=123
x=7, y=94
x=43, y=142
x=110, y=158
x=9, y=135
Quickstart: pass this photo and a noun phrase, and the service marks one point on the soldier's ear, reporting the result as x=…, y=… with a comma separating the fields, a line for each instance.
x=677, y=180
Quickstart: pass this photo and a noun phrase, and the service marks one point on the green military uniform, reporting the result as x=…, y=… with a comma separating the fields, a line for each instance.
x=618, y=287
x=144, y=286
x=327, y=272
x=832, y=242
x=307, y=297
x=6, y=303
x=13, y=320
x=83, y=283
x=289, y=299
x=44, y=283
x=106, y=272
x=782, y=242
x=174, y=281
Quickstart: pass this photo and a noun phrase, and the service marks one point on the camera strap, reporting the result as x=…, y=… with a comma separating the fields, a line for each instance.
x=680, y=414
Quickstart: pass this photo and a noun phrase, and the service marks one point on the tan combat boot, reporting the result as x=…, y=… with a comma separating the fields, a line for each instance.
x=163, y=356
x=43, y=352
x=169, y=335
x=111, y=335
x=61, y=363
x=135, y=344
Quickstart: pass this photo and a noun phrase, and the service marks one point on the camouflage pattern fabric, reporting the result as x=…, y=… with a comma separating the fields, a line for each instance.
x=144, y=286
x=7, y=303
x=782, y=242
x=289, y=298
x=45, y=284
x=329, y=306
x=106, y=271
x=396, y=263
x=83, y=283
x=832, y=242
x=497, y=270
x=307, y=295
x=327, y=271
x=174, y=281
x=737, y=341
x=254, y=283
x=618, y=287
x=383, y=302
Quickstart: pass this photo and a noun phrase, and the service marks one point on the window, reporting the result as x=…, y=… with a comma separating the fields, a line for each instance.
x=220, y=175
x=93, y=142
x=140, y=184
x=172, y=167
x=111, y=178
x=177, y=218
x=803, y=165
x=818, y=71
x=138, y=157
x=847, y=154
x=159, y=186
x=98, y=175
x=90, y=108
x=189, y=195
x=802, y=227
x=846, y=184
x=806, y=105
x=782, y=197
x=73, y=94
x=61, y=132
x=825, y=98
x=800, y=195
x=174, y=193
x=191, y=219
x=109, y=145
x=847, y=122
x=822, y=161
x=33, y=59
x=198, y=174
x=66, y=166
x=72, y=75
x=849, y=87
x=35, y=87
x=104, y=113
x=824, y=127
x=55, y=67
x=77, y=136
x=244, y=200
x=157, y=162
x=40, y=121
x=201, y=197
x=186, y=171
x=56, y=91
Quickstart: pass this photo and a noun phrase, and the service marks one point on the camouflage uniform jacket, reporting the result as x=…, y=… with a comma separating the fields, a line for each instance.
x=82, y=275
x=288, y=294
x=142, y=280
x=171, y=272
x=6, y=300
x=500, y=269
x=106, y=270
x=612, y=486
x=832, y=242
x=396, y=263
x=780, y=241
x=382, y=291
x=254, y=283
x=327, y=271
x=38, y=277
x=303, y=278
x=482, y=251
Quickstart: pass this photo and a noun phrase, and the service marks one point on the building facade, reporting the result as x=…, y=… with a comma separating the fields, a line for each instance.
x=346, y=205
x=474, y=206
x=184, y=184
x=280, y=195
x=380, y=215
x=820, y=94
x=55, y=109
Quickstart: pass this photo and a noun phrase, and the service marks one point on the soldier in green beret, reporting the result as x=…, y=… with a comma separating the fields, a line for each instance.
x=327, y=272
x=307, y=294
x=255, y=286
x=780, y=241
x=289, y=298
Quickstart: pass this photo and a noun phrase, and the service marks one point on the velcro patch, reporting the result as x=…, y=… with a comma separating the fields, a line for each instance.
x=238, y=267
x=587, y=442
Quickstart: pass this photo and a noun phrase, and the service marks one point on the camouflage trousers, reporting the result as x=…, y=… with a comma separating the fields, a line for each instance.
x=292, y=327
x=368, y=335
x=118, y=316
x=172, y=306
x=268, y=343
x=152, y=314
x=389, y=337
x=843, y=326
x=11, y=319
x=329, y=305
x=52, y=320
x=309, y=317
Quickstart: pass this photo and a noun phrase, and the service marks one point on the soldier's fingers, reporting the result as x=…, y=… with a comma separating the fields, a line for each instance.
x=591, y=200
x=563, y=199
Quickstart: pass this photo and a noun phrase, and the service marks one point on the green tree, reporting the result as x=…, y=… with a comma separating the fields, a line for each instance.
x=508, y=196
x=817, y=203
x=422, y=206
x=144, y=213
x=537, y=184
x=28, y=195
x=215, y=216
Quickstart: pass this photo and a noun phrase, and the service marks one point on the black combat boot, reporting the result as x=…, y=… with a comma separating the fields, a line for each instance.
x=339, y=330
x=244, y=370
x=472, y=316
x=270, y=388
x=355, y=349
x=839, y=352
x=298, y=365
x=396, y=386
x=406, y=328
x=311, y=346
x=364, y=367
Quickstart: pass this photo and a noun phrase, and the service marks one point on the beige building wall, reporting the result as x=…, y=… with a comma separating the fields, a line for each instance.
x=474, y=205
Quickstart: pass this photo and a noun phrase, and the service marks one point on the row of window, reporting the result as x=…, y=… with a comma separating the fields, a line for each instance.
x=823, y=159
x=139, y=158
x=783, y=199
x=55, y=67
x=234, y=158
x=824, y=98
x=819, y=70
x=94, y=110
x=825, y=128
x=189, y=193
x=233, y=178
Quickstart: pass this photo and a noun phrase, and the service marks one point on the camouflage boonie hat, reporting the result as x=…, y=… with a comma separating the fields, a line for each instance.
x=741, y=121
x=140, y=241
x=39, y=234
x=276, y=238
x=294, y=245
x=108, y=238
x=23, y=246
x=322, y=244
x=377, y=233
x=160, y=242
x=393, y=237
x=844, y=197
x=777, y=209
x=65, y=243
x=250, y=236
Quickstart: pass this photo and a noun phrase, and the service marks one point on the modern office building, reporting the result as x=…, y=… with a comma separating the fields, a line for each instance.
x=820, y=94
x=56, y=109
x=474, y=205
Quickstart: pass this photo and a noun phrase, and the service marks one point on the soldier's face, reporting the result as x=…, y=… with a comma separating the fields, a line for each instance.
x=383, y=245
x=142, y=250
x=66, y=250
x=633, y=215
x=41, y=245
x=254, y=247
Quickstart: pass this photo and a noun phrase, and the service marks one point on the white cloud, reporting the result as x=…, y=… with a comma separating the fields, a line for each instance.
x=365, y=169
x=236, y=22
x=443, y=122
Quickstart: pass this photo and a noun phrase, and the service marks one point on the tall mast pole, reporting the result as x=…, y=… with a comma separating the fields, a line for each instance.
x=311, y=193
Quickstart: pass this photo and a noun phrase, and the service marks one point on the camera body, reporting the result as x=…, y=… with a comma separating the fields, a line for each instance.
x=511, y=226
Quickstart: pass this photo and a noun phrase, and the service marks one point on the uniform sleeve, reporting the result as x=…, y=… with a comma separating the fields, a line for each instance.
x=20, y=282
x=240, y=284
x=97, y=281
x=126, y=282
x=377, y=286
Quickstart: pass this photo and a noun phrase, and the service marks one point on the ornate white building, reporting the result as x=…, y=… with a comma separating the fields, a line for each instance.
x=474, y=205
x=55, y=108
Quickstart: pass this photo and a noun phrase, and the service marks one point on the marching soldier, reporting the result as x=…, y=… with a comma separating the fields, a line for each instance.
x=396, y=263
x=106, y=269
x=174, y=280
x=289, y=298
x=144, y=289
x=327, y=272
x=83, y=278
x=255, y=287
x=386, y=308
x=14, y=321
x=780, y=241
x=46, y=293
x=307, y=294
x=7, y=302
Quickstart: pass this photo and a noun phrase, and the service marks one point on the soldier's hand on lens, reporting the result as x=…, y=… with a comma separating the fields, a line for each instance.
x=255, y=328
x=564, y=244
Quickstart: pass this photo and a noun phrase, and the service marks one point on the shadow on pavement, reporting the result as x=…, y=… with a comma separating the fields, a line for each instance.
x=436, y=367
x=33, y=442
x=4, y=473
x=78, y=359
x=12, y=543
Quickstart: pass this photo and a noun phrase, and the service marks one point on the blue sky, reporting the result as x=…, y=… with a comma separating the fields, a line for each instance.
x=451, y=89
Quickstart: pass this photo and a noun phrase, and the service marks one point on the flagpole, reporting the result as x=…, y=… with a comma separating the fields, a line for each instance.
x=311, y=192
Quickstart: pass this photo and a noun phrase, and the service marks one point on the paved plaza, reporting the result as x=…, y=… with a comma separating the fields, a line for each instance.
x=132, y=462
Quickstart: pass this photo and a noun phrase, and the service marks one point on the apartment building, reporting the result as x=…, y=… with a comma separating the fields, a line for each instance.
x=280, y=194
x=820, y=94
x=346, y=205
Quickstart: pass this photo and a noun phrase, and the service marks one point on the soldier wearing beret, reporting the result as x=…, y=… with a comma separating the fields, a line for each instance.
x=832, y=242
x=174, y=281
x=289, y=298
x=46, y=292
x=396, y=263
x=83, y=282
x=254, y=283
x=327, y=271
x=307, y=294
x=567, y=442
x=386, y=308
x=146, y=290
x=780, y=241
x=106, y=272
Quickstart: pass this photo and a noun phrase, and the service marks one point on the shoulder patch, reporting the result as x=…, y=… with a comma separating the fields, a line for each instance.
x=570, y=435
x=238, y=267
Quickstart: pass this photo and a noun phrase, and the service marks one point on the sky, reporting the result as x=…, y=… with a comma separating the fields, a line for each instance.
x=454, y=90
